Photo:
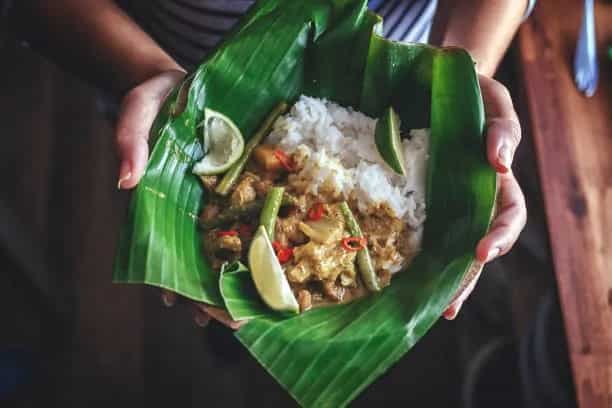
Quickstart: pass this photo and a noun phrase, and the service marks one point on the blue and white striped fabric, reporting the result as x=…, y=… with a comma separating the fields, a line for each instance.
x=189, y=29
x=405, y=20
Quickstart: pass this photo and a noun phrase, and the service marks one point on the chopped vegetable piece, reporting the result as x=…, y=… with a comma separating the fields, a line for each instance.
x=354, y=243
x=284, y=255
x=285, y=160
x=229, y=233
x=265, y=156
x=270, y=210
x=277, y=246
x=316, y=212
x=388, y=141
x=323, y=231
x=233, y=173
x=364, y=261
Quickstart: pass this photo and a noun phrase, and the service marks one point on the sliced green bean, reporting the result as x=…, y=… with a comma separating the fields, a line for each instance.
x=364, y=261
x=270, y=210
x=230, y=178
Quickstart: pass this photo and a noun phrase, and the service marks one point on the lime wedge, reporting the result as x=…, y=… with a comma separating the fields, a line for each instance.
x=388, y=141
x=223, y=144
x=268, y=275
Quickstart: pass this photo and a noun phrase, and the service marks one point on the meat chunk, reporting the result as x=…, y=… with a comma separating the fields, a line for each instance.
x=287, y=231
x=333, y=291
x=265, y=156
x=304, y=300
x=209, y=212
x=262, y=186
x=223, y=246
x=209, y=182
x=383, y=234
x=322, y=263
x=384, y=277
x=219, y=249
x=300, y=273
x=230, y=243
x=244, y=191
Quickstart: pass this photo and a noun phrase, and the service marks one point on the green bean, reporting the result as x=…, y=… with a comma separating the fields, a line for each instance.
x=230, y=178
x=364, y=261
x=270, y=210
x=250, y=209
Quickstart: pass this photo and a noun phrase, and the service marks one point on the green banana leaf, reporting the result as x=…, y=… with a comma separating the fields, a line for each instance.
x=332, y=49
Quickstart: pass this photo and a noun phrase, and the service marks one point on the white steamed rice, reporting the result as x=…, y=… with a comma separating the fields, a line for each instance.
x=342, y=156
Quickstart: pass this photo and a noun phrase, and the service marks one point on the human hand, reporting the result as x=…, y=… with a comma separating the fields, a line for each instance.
x=138, y=110
x=503, y=136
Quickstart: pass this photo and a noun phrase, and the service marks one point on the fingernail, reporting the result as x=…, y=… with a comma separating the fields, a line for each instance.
x=201, y=319
x=167, y=299
x=123, y=178
x=505, y=156
x=492, y=254
x=450, y=313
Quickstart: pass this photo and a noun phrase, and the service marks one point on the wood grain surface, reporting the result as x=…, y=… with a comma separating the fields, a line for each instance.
x=573, y=142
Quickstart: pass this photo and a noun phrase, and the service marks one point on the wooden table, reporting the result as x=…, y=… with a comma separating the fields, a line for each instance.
x=573, y=142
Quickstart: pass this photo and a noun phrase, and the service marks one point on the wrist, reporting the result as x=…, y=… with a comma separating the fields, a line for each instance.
x=144, y=72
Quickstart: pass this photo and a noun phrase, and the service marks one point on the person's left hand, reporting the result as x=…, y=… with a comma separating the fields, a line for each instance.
x=503, y=136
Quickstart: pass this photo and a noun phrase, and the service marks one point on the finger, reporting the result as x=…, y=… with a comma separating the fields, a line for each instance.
x=464, y=291
x=508, y=224
x=137, y=113
x=503, y=127
x=168, y=298
x=221, y=316
x=497, y=99
x=503, y=138
x=200, y=317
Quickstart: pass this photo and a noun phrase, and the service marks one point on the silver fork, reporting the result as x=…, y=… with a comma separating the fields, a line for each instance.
x=586, y=70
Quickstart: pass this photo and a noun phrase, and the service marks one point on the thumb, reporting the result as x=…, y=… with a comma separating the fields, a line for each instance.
x=137, y=113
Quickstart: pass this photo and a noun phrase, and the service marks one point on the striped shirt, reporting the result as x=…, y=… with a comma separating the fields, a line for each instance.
x=189, y=29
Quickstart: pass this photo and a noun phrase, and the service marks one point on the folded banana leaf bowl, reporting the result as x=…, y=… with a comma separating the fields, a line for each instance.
x=330, y=49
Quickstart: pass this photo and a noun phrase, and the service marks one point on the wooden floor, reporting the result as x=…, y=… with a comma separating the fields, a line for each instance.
x=573, y=140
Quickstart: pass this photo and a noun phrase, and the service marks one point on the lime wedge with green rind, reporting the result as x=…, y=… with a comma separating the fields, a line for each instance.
x=222, y=142
x=268, y=275
x=388, y=141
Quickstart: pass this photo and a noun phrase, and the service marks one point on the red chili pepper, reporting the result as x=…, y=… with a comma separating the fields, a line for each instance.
x=316, y=212
x=245, y=229
x=277, y=246
x=285, y=160
x=354, y=243
x=229, y=233
x=284, y=255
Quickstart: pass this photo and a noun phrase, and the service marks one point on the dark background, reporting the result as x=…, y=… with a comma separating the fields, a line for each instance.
x=71, y=338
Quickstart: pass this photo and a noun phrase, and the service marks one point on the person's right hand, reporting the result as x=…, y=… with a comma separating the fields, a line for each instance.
x=139, y=108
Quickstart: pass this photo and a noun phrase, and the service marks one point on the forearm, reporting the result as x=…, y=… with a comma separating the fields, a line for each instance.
x=94, y=39
x=484, y=27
